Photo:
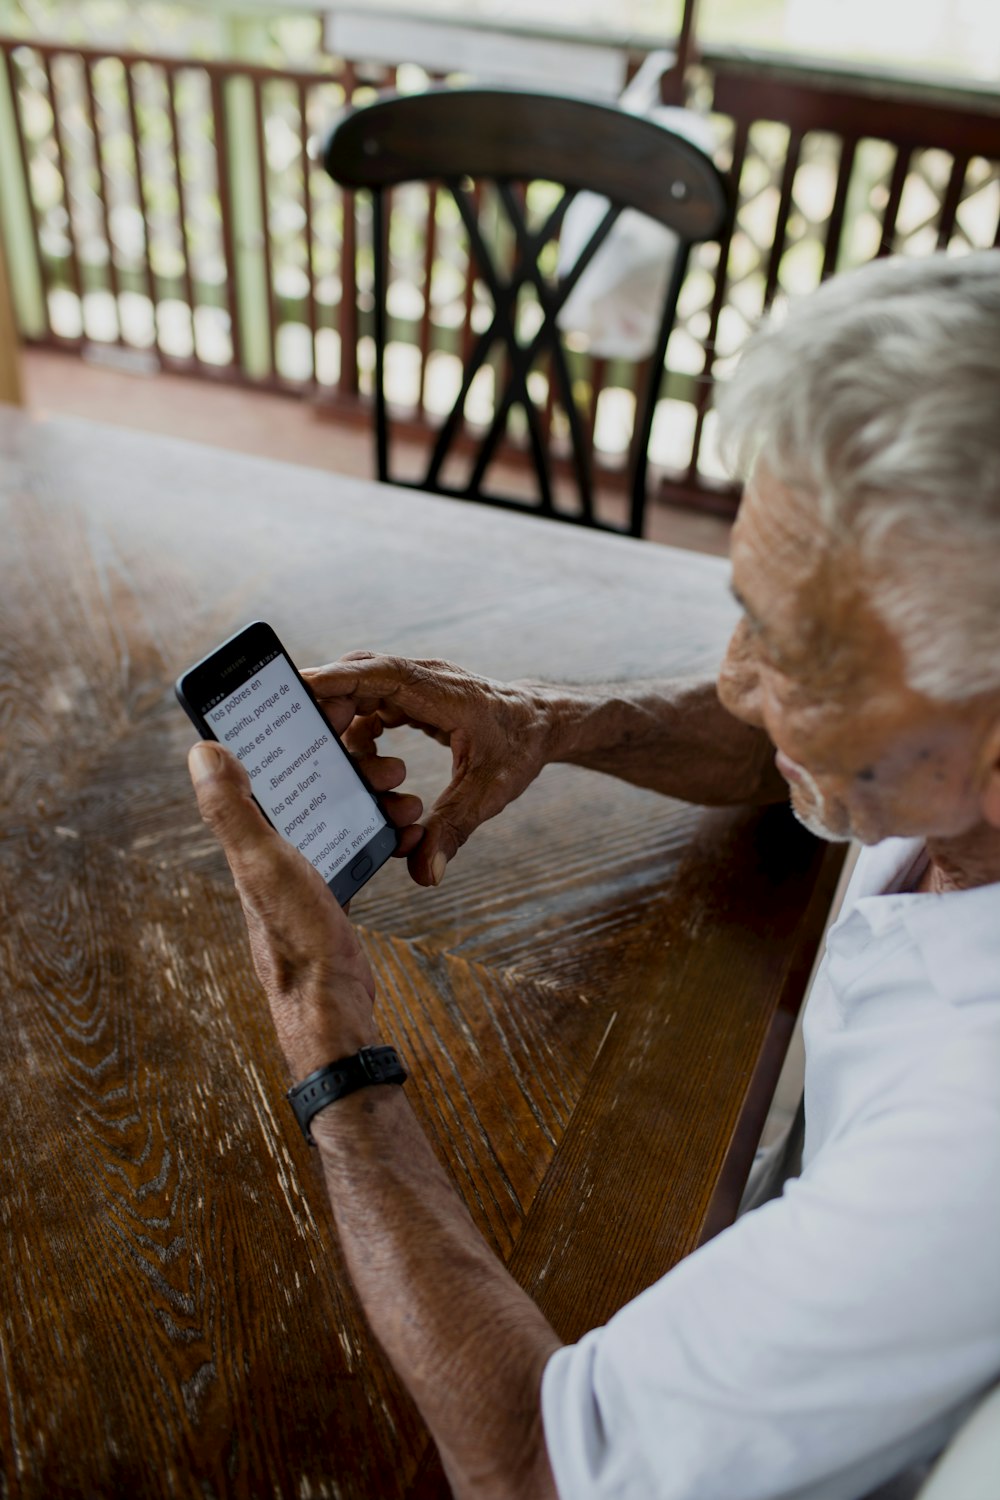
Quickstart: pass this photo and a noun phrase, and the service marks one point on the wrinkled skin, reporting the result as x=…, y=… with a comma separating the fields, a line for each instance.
x=814, y=666
x=467, y=1341
x=303, y=946
x=497, y=733
x=673, y=737
x=811, y=667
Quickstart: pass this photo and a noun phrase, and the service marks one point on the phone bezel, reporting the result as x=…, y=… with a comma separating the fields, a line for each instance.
x=204, y=684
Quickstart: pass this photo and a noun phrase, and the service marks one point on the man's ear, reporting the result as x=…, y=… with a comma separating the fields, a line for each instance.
x=990, y=797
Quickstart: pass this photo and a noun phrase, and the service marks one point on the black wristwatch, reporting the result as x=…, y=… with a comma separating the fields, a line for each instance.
x=345, y=1076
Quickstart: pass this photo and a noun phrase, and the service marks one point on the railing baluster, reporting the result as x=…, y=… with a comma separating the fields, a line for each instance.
x=348, y=319
x=952, y=198
x=639, y=377
x=835, y=224
x=45, y=280
x=102, y=181
x=75, y=269
x=389, y=200
x=548, y=410
x=380, y=259
x=307, y=210
x=350, y=383
x=742, y=134
x=598, y=375
x=467, y=335
x=140, y=188
x=900, y=170
x=175, y=140
x=781, y=222
x=272, y=309
x=424, y=337
x=226, y=208
x=430, y=254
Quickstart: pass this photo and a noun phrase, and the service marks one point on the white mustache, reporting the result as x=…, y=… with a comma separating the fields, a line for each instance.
x=816, y=820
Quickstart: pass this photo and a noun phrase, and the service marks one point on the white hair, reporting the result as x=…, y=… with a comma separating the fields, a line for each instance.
x=877, y=399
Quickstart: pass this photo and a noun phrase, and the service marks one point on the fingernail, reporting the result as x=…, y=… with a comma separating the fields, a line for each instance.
x=438, y=866
x=203, y=762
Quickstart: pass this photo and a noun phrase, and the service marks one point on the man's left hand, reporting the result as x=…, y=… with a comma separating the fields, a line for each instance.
x=306, y=953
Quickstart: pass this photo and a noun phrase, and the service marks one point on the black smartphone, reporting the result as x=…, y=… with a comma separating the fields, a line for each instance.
x=247, y=695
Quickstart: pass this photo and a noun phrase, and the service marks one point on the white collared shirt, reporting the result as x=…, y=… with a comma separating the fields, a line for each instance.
x=840, y=1332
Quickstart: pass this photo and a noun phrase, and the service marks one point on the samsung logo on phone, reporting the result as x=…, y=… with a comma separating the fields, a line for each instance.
x=228, y=671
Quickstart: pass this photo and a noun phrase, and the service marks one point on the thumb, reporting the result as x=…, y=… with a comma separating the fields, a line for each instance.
x=225, y=801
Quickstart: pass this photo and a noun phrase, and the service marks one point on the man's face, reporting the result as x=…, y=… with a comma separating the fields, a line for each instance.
x=811, y=662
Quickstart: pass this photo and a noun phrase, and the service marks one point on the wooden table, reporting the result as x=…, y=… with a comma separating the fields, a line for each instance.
x=593, y=1007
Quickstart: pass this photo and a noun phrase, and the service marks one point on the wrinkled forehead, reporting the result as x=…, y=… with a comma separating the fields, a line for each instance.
x=804, y=590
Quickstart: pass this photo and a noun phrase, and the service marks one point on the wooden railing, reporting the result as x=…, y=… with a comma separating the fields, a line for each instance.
x=834, y=168
x=149, y=178
x=173, y=210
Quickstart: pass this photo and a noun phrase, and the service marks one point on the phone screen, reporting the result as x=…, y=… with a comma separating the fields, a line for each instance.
x=299, y=773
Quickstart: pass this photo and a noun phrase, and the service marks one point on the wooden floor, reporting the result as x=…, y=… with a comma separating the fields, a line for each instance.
x=254, y=422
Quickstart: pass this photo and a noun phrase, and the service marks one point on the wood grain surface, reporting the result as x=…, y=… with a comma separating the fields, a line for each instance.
x=592, y=1007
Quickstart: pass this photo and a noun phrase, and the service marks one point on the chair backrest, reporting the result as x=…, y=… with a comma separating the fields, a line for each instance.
x=465, y=139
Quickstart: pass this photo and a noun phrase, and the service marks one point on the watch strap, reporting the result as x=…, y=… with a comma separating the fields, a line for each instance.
x=336, y=1080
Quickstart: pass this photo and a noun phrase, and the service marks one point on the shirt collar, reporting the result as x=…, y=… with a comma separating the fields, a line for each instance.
x=957, y=933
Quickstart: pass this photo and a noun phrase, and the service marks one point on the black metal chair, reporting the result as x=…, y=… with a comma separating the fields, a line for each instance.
x=454, y=137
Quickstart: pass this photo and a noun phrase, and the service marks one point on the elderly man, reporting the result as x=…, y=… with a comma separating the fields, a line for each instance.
x=837, y=1334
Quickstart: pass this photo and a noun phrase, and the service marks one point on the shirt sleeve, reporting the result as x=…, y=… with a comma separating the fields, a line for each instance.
x=818, y=1345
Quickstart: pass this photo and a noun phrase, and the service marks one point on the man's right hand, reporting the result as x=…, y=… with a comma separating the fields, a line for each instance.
x=498, y=734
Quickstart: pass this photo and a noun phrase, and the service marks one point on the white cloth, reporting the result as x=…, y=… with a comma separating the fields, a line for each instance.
x=840, y=1332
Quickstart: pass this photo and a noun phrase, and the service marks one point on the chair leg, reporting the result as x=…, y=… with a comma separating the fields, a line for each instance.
x=11, y=389
x=647, y=407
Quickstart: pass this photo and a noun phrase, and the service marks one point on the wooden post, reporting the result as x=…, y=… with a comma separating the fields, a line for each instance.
x=687, y=43
x=17, y=225
x=10, y=369
x=672, y=87
x=247, y=37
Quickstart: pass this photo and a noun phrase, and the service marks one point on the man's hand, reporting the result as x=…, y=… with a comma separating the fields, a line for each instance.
x=498, y=734
x=673, y=737
x=466, y=1340
x=384, y=773
x=305, y=951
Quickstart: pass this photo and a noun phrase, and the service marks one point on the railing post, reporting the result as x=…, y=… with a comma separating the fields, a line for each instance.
x=672, y=87
x=237, y=158
x=10, y=366
x=687, y=42
x=16, y=225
